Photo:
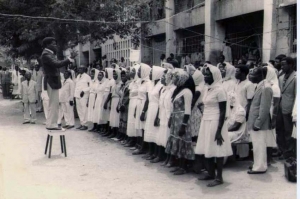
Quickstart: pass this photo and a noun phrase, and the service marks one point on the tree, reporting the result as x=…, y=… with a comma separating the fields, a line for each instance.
x=23, y=36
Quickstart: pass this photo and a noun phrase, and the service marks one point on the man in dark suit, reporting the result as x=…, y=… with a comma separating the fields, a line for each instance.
x=284, y=128
x=259, y=121
x=52, y=81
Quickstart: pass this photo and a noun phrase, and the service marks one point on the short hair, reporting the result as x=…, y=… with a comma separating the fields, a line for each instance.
x=208, y=62
x=262, y=70
x=46, y=41
x=222, y=56
x=0, y=67
x=69, y=72
x=280, y=57
x=289, y=60
x=272, y=62
x=243, y=68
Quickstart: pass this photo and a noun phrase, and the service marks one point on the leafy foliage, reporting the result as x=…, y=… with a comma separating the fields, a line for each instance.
x=24, y=36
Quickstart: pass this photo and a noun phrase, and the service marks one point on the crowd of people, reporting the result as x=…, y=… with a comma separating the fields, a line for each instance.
x=180, y=116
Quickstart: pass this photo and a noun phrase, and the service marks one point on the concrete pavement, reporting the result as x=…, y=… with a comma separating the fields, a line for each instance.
x=100, y=168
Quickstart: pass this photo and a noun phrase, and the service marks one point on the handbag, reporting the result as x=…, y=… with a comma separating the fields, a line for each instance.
x=290, y=169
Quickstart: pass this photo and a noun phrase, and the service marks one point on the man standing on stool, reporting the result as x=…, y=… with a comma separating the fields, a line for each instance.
x=52, y=82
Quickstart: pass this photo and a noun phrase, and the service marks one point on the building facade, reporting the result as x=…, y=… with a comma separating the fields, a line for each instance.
x=198, y=28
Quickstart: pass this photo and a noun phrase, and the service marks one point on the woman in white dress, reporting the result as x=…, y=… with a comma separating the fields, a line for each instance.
x=92, y=98
x=101, y=92
x=106, y=107
x=151, y=128
x=271, y=134
x=213, y=141
x=144, y=88
x=114, y=118
x=165, y=109
x=133, y=96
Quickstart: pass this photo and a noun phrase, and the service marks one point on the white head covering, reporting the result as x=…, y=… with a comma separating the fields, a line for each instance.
x=119, y=75
x=190, y=69
x=96, y=74
x=230, y=72
x=157, y=72
x=167, y=66
x=136, y=67
x=104, y=78
x=109, y=73
x=272, y=76
x=145, y=71
x=217, y=76
x=198, y=78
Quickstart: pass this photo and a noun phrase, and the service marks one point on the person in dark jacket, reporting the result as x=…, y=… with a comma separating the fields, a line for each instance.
x=52, y=81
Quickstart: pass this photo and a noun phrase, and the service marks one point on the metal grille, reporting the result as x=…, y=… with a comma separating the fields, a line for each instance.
x=241, y=43
x=192, y=45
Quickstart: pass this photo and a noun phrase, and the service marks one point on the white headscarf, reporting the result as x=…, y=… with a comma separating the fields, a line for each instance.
x=190, y=69
x=136, y=67
x=230, y=72
x=119, y=75
x=104, y=78
x=96, y=74
x=272, y=76
x=157, y=72
x=145, y=71
x=217, y=76
x=109, y=73
x=198, y=78
x=168, y=66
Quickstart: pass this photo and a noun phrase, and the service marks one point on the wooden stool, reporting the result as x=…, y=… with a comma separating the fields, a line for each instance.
x=62, y=142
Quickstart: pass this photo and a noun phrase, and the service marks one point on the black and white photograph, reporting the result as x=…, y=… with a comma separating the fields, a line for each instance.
x=143, y=99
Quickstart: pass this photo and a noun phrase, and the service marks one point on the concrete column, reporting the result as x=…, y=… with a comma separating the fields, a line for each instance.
x=214, y=33
x=91, y=53
x=170, y=34
x=269, y=36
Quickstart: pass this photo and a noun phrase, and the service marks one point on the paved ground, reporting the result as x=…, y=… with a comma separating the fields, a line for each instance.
x=101, y=168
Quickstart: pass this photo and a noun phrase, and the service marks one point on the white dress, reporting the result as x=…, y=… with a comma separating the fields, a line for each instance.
x=133, y=96
x=92, y=98
x=165, y=110
x=143, y=89
x=114, y=118
x=151, y=130
x=102, y=91
x=206, y=144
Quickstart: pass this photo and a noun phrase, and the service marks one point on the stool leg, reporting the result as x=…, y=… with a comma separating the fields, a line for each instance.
x=65, y=147
x=47, y=144
x=51, y=137
x=61, y=143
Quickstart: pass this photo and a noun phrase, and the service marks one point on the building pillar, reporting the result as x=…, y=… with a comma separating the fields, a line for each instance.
x=269, y=36
x=170, y=34
x=214, y=33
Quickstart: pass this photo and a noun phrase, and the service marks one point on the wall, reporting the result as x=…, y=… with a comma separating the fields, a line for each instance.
x=231, y=8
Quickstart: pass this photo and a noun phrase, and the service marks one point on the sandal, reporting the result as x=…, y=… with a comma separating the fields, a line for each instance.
x=175, y=169
x=180, y=172
x=216, y=182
